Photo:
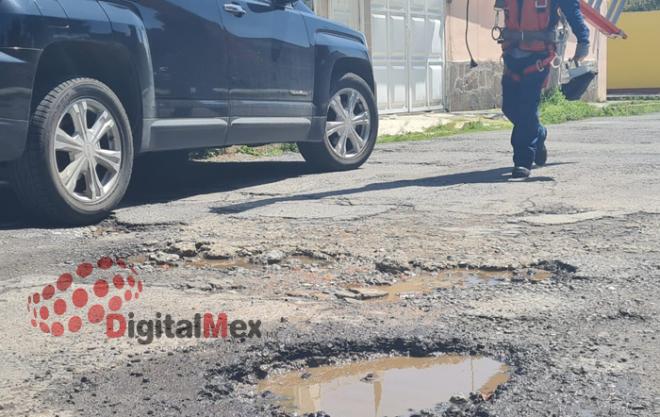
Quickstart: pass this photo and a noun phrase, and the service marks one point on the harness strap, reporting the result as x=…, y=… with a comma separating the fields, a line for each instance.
x=540, y=66
x=548, y=36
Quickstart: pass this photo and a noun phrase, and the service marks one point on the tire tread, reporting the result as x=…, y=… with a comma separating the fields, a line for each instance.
x=29, y=174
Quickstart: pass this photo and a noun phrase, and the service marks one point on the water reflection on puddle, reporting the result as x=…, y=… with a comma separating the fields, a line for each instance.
x=385, y=387
x=459, y=278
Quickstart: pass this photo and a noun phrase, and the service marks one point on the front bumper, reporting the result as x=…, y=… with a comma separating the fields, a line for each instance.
x=17, y=72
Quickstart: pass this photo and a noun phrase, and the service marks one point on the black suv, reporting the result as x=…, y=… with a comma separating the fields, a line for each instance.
x=88, y=85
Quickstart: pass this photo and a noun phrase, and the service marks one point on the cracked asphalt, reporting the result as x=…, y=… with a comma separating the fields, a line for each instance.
x=272, y=240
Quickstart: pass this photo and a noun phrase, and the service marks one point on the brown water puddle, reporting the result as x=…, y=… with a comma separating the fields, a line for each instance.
x=385, y=387
x=137, y=259
x=456, y=278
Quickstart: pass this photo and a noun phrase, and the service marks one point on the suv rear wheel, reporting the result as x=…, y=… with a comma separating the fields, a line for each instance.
x=79, y=156
x=351, y=127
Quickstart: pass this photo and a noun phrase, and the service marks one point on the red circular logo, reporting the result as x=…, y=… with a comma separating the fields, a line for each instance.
x=85, y=296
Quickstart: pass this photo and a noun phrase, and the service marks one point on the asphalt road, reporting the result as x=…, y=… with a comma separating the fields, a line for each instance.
x=583, y=343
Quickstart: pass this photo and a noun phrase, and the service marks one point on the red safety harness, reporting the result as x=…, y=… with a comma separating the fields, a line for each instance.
x=540, y=66
x=527, y=27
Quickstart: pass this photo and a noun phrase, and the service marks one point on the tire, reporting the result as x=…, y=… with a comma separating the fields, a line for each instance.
x=71, y=178
x=327, y=154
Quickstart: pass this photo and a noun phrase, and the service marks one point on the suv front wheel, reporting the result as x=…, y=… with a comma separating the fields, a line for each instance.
x=78, y=160
x=351, y=127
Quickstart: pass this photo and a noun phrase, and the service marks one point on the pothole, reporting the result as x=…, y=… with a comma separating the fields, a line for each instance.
x=306, y=260
x=427, y=283
x=232, y=263
x=385, y=387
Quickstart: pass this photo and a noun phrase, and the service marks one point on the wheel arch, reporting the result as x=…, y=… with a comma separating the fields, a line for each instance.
x=336, y=56
x=108, y=63
x=359, y=67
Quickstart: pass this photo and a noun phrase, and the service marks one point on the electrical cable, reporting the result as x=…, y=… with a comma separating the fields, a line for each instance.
x=473, y=63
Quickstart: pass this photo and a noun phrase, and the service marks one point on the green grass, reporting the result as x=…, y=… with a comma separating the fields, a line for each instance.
x=256, y=151
x=267, y=150
x=445, y=130
x=557, y=109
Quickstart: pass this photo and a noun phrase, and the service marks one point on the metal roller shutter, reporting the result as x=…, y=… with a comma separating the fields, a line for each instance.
x=408, y=52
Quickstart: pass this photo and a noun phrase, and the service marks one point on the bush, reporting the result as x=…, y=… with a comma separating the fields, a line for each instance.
x=555, y=109
x=642, y=5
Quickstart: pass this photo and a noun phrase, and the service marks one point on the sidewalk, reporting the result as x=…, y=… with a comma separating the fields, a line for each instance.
x=393, y=124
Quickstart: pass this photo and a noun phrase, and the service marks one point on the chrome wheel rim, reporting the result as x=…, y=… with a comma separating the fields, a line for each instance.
x=87, y=153
x=348, y=124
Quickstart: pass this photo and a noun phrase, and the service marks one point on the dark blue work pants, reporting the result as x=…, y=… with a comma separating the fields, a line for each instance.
x=521, y=100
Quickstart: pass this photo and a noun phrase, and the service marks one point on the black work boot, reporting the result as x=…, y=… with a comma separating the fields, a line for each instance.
x=521, y=173
x=541, y=156
x=542, y=153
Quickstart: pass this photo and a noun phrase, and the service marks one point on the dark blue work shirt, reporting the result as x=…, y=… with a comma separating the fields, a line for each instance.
x=571, y=9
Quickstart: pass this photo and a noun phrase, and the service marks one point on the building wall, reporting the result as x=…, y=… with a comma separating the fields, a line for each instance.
x=472, y=88
x=480, y=88
x=468, y=88
x=634, y=63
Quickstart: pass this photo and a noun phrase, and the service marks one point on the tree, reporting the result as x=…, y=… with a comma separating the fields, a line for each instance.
x=642, y=5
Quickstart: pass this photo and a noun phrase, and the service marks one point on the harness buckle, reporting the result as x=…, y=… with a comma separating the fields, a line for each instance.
x=497, y=34
x=556, y=62
x=541, y=4
x=540, y=65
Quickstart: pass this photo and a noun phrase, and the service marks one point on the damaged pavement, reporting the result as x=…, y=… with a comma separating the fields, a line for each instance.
x=429, y=250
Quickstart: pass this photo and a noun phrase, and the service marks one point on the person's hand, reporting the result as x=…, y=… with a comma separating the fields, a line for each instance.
x=581, y=52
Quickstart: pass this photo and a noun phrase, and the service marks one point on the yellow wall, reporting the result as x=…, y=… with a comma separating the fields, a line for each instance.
x=634, y=63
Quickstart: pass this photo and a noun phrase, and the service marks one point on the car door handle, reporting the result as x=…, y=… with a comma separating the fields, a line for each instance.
x=235, y=9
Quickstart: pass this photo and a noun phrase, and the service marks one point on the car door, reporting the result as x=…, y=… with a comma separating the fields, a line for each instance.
x=271, y=71
x=189, y=65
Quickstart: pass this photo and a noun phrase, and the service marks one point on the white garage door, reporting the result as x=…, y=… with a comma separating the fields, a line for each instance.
x=408, y=53
x=348, y=12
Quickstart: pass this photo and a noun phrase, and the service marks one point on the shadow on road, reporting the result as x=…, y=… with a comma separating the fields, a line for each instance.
x=160, y=184
x=163, y=184
x=491, y=176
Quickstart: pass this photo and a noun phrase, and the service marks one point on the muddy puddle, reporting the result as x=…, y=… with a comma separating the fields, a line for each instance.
x=456, y=278
x=137, y=259
x=385, y=387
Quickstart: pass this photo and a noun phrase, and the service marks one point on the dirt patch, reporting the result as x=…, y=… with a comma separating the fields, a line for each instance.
x=232, y=263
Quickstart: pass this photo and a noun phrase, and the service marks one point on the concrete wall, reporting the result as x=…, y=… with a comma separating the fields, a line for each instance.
x=480, y=88
x=634, y=63
x=471, y=89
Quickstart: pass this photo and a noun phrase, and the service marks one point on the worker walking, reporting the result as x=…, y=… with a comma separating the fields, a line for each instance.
x=529, y=41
